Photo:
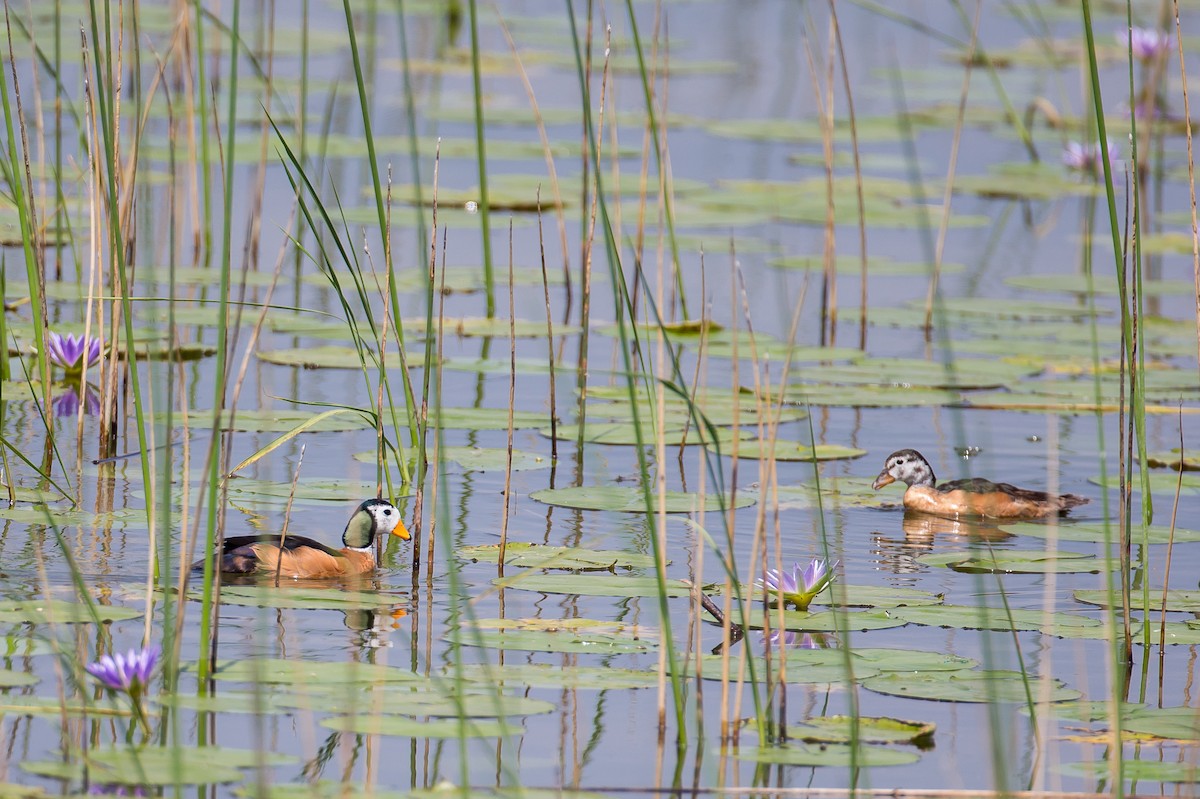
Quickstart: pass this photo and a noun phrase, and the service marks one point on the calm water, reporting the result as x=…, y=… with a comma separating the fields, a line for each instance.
x=732, y=61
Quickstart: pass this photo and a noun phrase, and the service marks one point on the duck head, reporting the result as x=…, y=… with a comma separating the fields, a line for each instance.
x=373, y=517
x=909, y=467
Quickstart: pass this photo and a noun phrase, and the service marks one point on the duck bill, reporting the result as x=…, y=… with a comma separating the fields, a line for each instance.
x=882, y=480
x=401, y=531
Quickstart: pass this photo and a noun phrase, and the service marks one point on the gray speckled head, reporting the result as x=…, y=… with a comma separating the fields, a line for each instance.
x=909, y=467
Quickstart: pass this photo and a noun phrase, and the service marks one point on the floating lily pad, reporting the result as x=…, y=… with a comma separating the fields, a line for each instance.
x=1105, y=283
x=308, y=489
x=909, y=372
x=908, y=660
x=1010, y=309
x=875, y=596
x=1036, y=401
x=484, y=418
x=859, y=396
x=561, y=635
x=53, y=706
x=877, y=266
x=42, y=611
x=483, y=459
x=545, y=556
x=1096, y=533
x=853, y=492
x=1140, y=771
x=332, y=356
x=1184, y=601
x=1188, y=461
x=1177, y=723
x=404, y=700
x=1024, y=181
x=261, y=702
x=592, y=584
x=830, y=621
x=969, y=617
x=16, y=679
x=864, y=729
x=1160, y=483
x=631, y=500
x=1017, y=561
x=381, y=725
x=161, y=765
x=627, y=433
x=812, y=755
x=543, y=675
x=269, y=420
x=828, y=670
x=793, y=451
x=969, y=686
x=310, y=672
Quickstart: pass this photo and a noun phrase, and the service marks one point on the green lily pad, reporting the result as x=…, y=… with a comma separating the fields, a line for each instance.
x=484, y=418
x=619, y=585
x=332, y=356
x=968, y=686
x=257, y=702
x=968, y=617
x=1139, y=771
x=830, y=621
x=804, y=667
x=1176, y=723
x=852, y=492
x=1024, y=181
x=480, y=459
x=1188, y=461
x=875, y=596
x=907, y=660
x=1096, y=534
x=1160, y=483
x=161, y=765
x=877, y=265
x=793, y=451
x=627, y=434
x=53, y=706
x=826, y=755
x=404, y=700
x=16, y=679
x=268, y=420
x=310, y=672
x=43, y=611
x=545, y=556
x=1011, y=309
x=557, y=635
x=907, y=372
x=631, y=500
x=864, y=729
x=544, y=675
x=1041, y=402
x=411, y=728
x=1183, y=601
x=314, y=489
x=1017, y=561
x=1105, y=283
x=860, y=396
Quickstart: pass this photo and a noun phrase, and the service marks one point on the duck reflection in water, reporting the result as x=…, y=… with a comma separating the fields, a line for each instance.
x=921, y=530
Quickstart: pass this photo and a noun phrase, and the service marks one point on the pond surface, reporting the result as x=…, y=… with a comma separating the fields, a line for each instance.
x=554, y=671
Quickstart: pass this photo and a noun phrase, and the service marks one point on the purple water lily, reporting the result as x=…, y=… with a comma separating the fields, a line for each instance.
x=1086, y=157
x=73, y=353
x=1146, y=44
x=799, y=586
x=129, y=672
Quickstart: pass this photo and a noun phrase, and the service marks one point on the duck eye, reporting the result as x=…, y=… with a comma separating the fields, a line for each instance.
x=387, y=511
x=900, y=462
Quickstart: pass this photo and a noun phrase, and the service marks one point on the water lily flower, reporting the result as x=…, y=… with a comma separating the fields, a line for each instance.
x=801, y=585
x=73, y=353
x=787, y=639
x=129, y=672
x=1086, y=157
x=67, y=403
x=1146, y=44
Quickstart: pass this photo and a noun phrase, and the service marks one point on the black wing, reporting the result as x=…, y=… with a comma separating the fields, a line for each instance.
x=975, y=485
x=290, y=543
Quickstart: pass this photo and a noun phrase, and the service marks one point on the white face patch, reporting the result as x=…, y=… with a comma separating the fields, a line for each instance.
x=386, y=518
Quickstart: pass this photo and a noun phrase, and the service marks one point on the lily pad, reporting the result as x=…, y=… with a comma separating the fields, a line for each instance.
x=969, y=686
x=1017, y=561
x=1183, y=601
x=483, y=459
x=257, y=702
x=53, y=706
x=161, y=765
x=16, y=679
x=830, y=621
x=268, y=420
x=910, y=372
x=860, y=396
x=1176, y=723
x=875, y=596
x=1139, y=771
x=910, y=660
x=592, y=585
x=1105, y=283
x=544, y=675
x=545, y=556
x=484, y=418
x=794, y=451
x=839, y=755
x=1160, y=483
x=969, y=617
x=43, y=611
x=332, y=356
x=864, y=729
x=1096, y=533
x=310, y=672
x=623, y=433
x=631, y=500
x=405, y=700
x=562, y=635
x=877, y=266
x=412, y=728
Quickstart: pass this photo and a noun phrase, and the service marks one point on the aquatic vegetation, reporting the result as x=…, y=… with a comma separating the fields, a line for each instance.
x=1086, y=157
x=67, y=403
x=129, y=673
x=73, y=353
x=801, y=585
x=1146, y=44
